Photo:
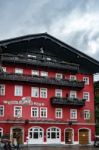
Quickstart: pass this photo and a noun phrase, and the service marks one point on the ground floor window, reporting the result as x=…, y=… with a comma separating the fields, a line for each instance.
x=35, y=133
x=53, y=133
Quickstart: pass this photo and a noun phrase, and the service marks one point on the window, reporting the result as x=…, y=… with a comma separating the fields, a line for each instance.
x=35, y=72
x=58, y=93
x=86, y=80
x=73, y=94
x=73, y=113
x=44, y=74
x=53, y=133
x=72, y=77
x=86, y=96
x=1, y=111
x=34, y=112
x=18, y=90
x=2, y=89
x=35, y=92
x=43, y=92
x=18, y=111
x=86, y=114
x=43, y=112
x=59, y=76
x=58, y=113
x=4, y=69
x=1, y=132
x=18, y=71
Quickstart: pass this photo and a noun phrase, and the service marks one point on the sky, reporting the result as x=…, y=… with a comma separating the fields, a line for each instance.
x=75, y=22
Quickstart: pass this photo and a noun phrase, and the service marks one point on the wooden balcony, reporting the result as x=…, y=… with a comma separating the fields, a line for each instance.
x=42, y=80
x=42, y=63
x=55, y=101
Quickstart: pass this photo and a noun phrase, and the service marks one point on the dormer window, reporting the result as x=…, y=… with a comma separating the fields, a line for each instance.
x=35, y=72
x=73, y=77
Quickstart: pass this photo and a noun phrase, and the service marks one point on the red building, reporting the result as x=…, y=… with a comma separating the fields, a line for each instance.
x=46, y=91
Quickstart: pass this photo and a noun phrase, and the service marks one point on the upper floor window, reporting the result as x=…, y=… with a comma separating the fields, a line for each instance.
x=18, y=90
x=44, y=74
x=73, y=77
x=58, y=113
x=73, y=94
x=35, y=72
x=43, y=92
x=18, y=111
x=4, y=69
x=86, y=114
x=35, y=92
x=86, y=96
x=2, y=89
x=1, y=111
x=73, y=113
x=86, y=80
x=1, y=132
x=18, y=71
x=43, y=112
x=59, y=76
x=34, y=112
x=58, y=93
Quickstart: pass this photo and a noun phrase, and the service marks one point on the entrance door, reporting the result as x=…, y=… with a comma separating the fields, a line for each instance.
x=68, y=136
x=83, y=136
x=17, y=133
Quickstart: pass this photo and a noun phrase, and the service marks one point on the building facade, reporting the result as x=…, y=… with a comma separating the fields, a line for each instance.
x=96, y=85
x=46, y=91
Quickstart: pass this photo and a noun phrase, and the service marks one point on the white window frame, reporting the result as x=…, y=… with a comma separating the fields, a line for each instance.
x=59, y=76
x=18, y=71
x=35, y=73
x=58, y=92
x=2, y=115
x=73, y=113
x=73, y=77
x=36, y=112
x=73, y=94
x=87, y=115
x=20, y=111
x=43, y=94
x=2, y=89
x=44, y=111
x=35, y=92
x=4, y=69
x=18, y=90
x=84, y=97
x=86, y=80
x=58, y=113
x=44, y=74
x=1, y=132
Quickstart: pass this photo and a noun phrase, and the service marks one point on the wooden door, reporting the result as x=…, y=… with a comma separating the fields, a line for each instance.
x=83, y=136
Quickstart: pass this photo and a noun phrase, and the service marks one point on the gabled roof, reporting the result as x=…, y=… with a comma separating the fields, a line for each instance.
x=51, y=46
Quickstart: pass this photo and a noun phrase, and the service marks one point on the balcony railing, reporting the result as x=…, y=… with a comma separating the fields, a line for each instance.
x=55, y=101
x=42, y=80
x=41, y=62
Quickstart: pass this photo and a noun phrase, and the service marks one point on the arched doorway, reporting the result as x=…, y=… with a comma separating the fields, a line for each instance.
x=17, y=132
x=53, y=135
x=83, y=136
x=69, y=136
x=36, y=135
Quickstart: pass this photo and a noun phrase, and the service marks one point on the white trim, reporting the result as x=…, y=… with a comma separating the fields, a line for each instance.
x=34, y=89
x=2, y=86
x=88, y=94
x=73, y=77
x=45, y=111
x=74, y=93
x=86, y=80
x=61, y=112
x=60, y=76
x=21, y=90
x=71, y=110
x=18, y=71
x=37, y=112
x=20, y=115
x=46, y=95
x=58, y=91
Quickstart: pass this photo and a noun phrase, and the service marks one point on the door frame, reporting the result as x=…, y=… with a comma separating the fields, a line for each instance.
x=89, y=134
x=72, y=135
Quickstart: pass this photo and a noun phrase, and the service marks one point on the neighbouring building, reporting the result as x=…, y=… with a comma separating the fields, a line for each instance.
x=96, y=86
x=46, y=91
